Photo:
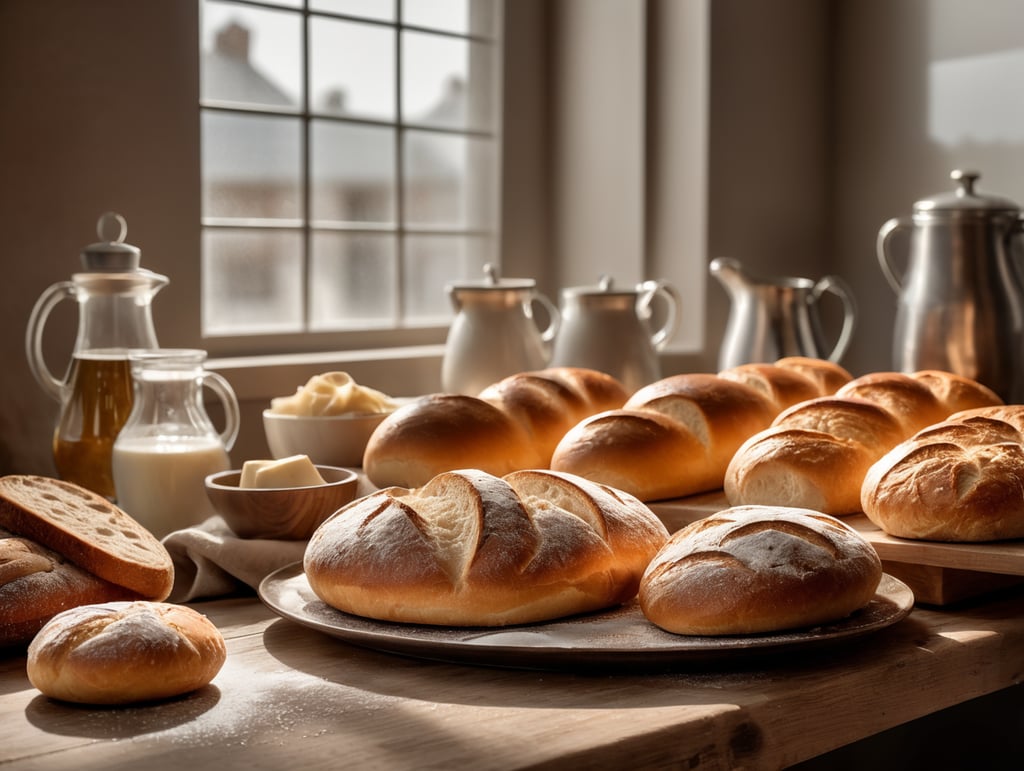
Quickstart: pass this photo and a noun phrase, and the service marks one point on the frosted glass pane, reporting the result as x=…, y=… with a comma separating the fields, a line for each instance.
x=437, y=89
x=352, y=68
x=352, y=280
x=251, y=56
x=252, y=282
x=433, y=261
x=252, y=166
x=353, y=173
x=450, y=181
x=368, y=9
x=476, y=17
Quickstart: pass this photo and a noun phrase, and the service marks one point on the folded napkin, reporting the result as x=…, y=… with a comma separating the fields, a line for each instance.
x=211, y=561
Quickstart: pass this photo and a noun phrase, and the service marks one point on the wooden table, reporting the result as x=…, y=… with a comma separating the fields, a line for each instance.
x=292, y=697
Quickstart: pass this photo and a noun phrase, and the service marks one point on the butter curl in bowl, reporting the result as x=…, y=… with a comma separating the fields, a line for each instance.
x=330, y=419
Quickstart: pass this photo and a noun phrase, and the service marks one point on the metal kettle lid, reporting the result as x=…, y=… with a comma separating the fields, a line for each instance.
x=965, y=200
x=605, y=287
x=111, y=254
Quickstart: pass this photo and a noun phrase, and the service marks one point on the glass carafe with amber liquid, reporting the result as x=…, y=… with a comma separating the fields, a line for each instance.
x=114, y=297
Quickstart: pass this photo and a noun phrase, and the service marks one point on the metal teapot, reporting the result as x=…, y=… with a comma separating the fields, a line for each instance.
x=961, y=298
x=608, y=329
x=771, y=319
x=494, y=333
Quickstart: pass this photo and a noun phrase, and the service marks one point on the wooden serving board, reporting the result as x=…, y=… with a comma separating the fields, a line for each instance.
x=939, y=573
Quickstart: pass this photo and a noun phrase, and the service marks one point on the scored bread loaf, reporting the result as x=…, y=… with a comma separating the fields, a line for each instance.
x=513, y=424
x=125, y=652
x=960, y=480
x=61, y=546
x=473, y=549
x=816, y=454
x=755, y=569
x=675, y=437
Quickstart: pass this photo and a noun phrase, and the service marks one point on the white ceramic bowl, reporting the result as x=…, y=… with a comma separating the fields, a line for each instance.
x=328, y=440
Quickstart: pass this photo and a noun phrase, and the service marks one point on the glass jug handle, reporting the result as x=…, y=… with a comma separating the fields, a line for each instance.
x=554, y=317
x=220, y=386
x=652, y=289
x=34, y=336
x=838, y=287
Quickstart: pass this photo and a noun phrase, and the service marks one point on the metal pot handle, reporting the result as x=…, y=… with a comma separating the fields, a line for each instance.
x=838, y=287
x=887, y=231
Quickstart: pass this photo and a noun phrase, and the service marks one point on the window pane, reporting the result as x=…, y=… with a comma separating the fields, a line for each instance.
x=449, y=180
x=353, y=280
x=352, y=170
x=368, y=9
x=251, y=56
x=475, y=17
x=437, y=88
x=252, y=281
x=252, y=166
x=352, y=68
x=430, y=262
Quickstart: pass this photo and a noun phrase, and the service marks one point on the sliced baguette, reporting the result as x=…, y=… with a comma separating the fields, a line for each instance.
x=88, y=530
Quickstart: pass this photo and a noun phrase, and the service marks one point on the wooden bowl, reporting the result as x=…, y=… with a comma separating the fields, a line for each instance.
x=282, y=513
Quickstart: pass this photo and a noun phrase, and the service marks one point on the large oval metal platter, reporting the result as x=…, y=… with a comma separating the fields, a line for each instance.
x=621, y=637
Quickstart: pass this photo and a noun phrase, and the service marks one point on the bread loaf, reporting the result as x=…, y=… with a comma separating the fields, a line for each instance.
x=959, y=480
x=756, y=569
x=62, y=545
x=473, y=549
x=125, y=652
x=513, y=424
x=816, y=454
x=675, y=437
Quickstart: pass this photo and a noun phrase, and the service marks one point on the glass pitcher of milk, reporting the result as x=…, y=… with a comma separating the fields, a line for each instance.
x=169, y=444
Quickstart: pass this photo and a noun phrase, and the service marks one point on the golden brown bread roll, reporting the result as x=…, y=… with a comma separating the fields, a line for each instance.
x=755, y=569
x=473, y=549
x=817, y=454
x=61, y=546
x=673, y=437
x=36, y=584
x=784, y=386
x=829, y=376
x=125, y=652
x=513, y=424
x=959, y=480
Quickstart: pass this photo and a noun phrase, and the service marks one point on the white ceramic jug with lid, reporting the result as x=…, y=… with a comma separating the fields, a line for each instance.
x=608, y=328
x=495, y=333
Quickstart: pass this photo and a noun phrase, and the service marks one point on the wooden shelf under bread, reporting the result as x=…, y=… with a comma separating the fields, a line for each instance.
x=938, y=573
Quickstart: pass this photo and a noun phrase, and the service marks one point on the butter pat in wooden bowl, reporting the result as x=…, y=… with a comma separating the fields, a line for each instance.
x=330, y=419
x=287, y=500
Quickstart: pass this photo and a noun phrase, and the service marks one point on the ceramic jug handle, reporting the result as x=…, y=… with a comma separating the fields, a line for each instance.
x=673, y=301
x=838, y=287
x=220, y=386
x=554, y=318
x=887, y=231
x=34, y=336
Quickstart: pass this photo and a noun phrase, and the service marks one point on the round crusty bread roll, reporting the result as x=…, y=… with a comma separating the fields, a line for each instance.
x=814, y=456
x=672, y=438
x=473, y=549
x=441, y=432
x=911, y=401
x=959, y=480
x=756, y=569
x=125, y=652
x=36, y=584
x=829, y=375
x=784, y=386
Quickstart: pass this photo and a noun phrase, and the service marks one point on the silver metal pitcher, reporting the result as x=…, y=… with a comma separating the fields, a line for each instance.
x=771, y=319
x=960, y=298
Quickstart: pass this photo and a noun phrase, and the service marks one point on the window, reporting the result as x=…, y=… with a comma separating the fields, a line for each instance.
x=350, y=162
